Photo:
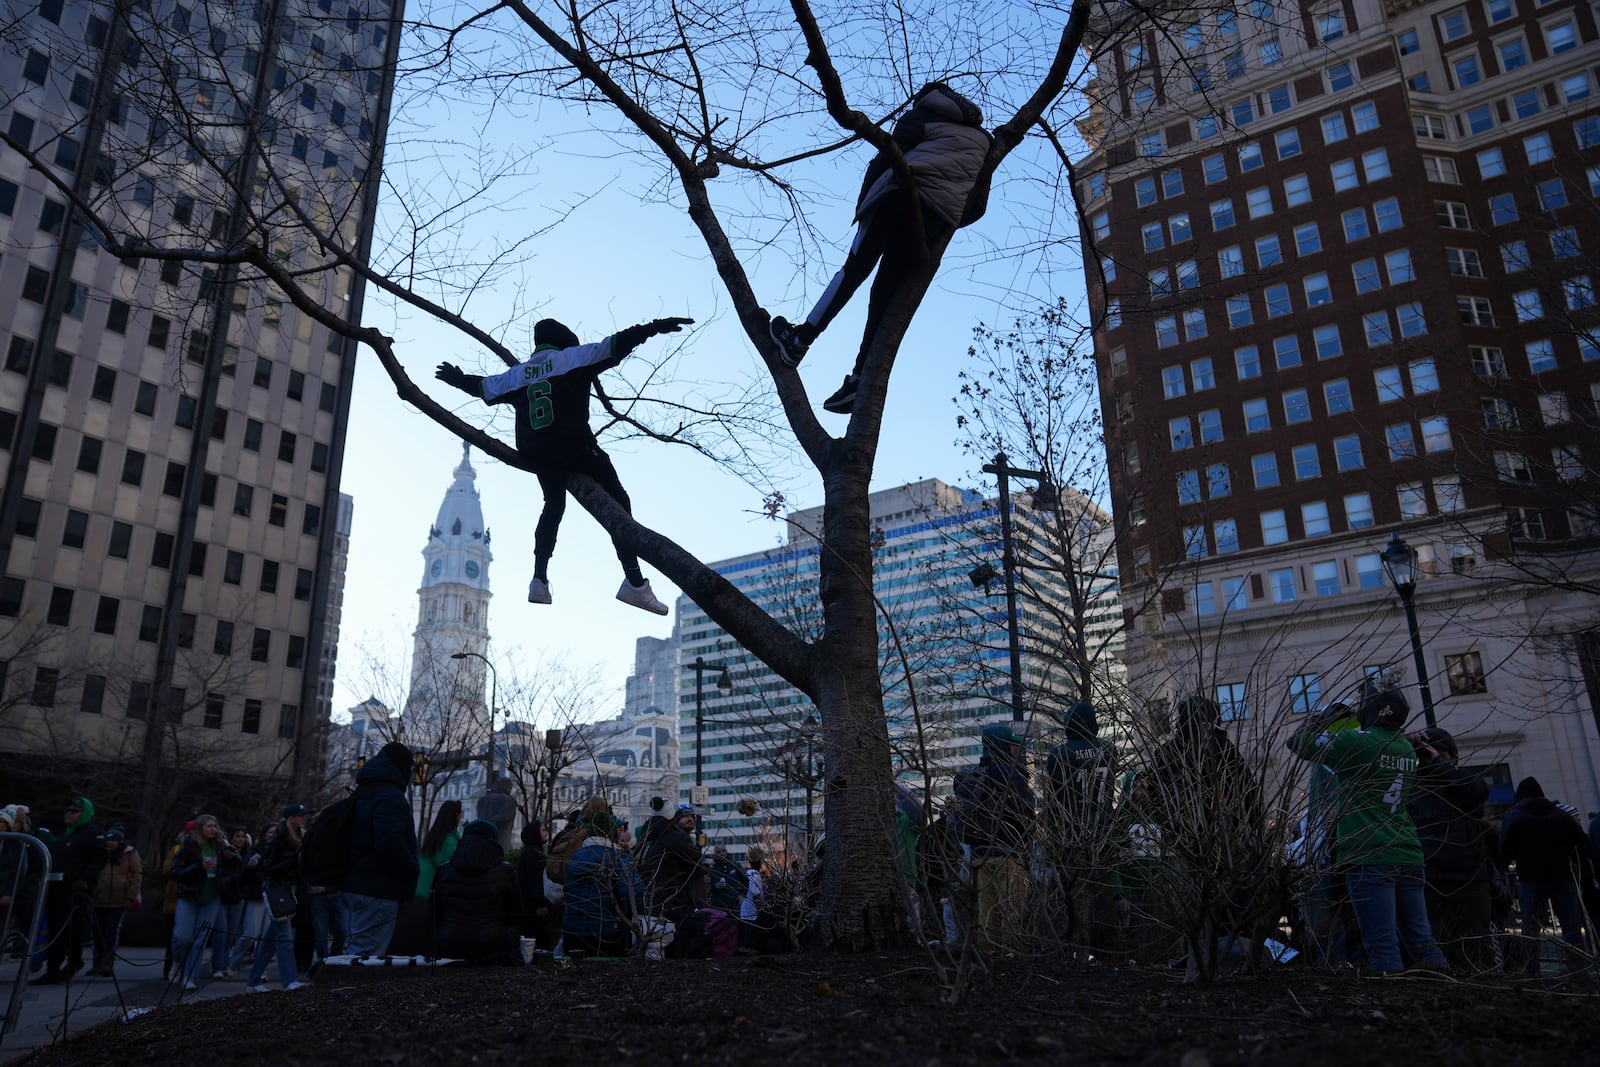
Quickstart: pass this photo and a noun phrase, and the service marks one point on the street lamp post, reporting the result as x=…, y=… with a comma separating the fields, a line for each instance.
x=983, y=574
x=494, y=690
x=724, y=683
x=1400, y=564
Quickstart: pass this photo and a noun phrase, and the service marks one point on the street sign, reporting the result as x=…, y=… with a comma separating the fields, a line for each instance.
x=700, y=795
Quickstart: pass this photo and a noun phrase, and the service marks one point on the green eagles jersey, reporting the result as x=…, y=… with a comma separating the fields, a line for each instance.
x=1376, y=770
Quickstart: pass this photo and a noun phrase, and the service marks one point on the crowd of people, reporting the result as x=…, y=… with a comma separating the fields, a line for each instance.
x=1393, y=865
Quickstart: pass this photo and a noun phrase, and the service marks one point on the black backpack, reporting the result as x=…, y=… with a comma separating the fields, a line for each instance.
x=325, y=849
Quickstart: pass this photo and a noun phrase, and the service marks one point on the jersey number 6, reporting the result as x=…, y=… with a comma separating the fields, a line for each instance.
x=541, y=412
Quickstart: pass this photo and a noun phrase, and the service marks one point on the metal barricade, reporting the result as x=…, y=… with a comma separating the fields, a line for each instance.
x=18, y=847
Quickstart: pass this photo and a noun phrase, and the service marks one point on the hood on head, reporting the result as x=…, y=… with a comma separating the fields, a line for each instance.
x=530, y=834
x=1000, y=742
x=479, y=850
x=1529, y=788
x=554, y=334
x=85, y=816
x=947, y=104
x=1195, y=716
x=1080, y=723
x=386, y=766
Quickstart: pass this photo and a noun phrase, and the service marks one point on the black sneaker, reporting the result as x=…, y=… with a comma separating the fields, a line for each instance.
x=791, y=346
x=843, y=400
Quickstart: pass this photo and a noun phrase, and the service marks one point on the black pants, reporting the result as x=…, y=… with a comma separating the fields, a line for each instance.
x=107, y=932
x=887, y=239
x=68, y=916
x=553, y=475
x=619, y=944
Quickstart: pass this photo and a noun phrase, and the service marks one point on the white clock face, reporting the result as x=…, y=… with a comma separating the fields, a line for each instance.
x=472, y=569
x=438, y=567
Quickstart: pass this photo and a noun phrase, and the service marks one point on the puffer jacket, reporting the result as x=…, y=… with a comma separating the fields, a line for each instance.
x=603, y=890
x=475, y=901
x=120, y=880
x=945, y=144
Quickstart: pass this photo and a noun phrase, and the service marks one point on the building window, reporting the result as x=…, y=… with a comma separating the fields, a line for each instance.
x=1231, y=699
x=1307, y=239
x=1347, y=453
x=1305, y=693
x=1265, y=468
x=1194, y=542
x=1247, y=362
x=1314, y=517
x=1296, y=407
x=1257, y=417
x=1307, y=465
x=1274, y=527
x=1325, y=577
x=1413, y=499
x=1401, y=443
x=1283, y=585
x=1465, y=673
x=1358, y=511
x=1226, y=532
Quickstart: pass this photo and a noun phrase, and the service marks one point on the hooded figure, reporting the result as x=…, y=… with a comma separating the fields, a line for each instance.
x=475, y=899
x=76, y=856
x=383, y=851
x=549, y=394
x=1082, y=776
x=1552, y=861
x=942, y=139
x=1447, y=808
x=535, y=906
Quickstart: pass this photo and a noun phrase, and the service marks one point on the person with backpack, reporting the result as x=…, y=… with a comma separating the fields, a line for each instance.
x=279, y=872
x=603, y=892
x=670, y=865
x=382, y=849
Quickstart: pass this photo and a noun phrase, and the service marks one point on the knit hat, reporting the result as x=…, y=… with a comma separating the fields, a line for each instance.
x=9, y=814
x=603, y=824
x=551, y=332
x=116, y=833
x=1000, y=732
x=1529, y=787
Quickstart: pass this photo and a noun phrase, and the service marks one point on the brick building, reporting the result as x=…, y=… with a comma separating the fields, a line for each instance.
x=1342, y=262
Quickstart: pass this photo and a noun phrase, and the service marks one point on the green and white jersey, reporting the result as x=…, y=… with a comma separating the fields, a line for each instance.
x=1376, y=769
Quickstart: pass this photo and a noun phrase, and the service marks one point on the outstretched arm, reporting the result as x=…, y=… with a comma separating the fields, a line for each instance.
x=625, y=341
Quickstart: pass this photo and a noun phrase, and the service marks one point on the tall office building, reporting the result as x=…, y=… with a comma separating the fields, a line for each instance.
x=757, y=737
x=1342, y=260
x=175, y=426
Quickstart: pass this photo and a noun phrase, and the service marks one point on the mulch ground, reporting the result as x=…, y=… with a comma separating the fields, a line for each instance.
x=824, y=1011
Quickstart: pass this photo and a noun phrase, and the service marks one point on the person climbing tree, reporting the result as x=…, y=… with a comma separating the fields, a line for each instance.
x=944, y=144
x=550, y=394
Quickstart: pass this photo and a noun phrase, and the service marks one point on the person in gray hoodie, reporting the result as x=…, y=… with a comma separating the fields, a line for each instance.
x=944, y=144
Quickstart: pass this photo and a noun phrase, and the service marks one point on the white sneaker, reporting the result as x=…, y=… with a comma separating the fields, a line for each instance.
x=640, y=596
x=293, y=986
x=189, y=986
x=539, y=592
x=259, y=988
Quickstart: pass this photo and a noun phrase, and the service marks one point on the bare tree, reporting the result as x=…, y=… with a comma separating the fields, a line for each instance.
x=735, y=96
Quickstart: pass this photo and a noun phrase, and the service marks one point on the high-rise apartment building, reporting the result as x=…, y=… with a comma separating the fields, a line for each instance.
x=941, y=627
x=1342, y=260
x=173, y=425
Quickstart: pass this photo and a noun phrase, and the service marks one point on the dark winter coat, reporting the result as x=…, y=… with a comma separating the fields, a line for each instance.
x=729, y=884
x=383, y=846
x=1543, y=841
x=189, y=868
x=944, y=144
x=670, y=866
x=474, y=900
x=77, y=853
x=280, y=860
x=530, y=880
x=1447, y=806
x=996, y=803
x=1081, y=773
x=603, y=889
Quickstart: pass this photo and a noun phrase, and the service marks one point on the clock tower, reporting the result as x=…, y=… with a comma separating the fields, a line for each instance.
x=446, y=707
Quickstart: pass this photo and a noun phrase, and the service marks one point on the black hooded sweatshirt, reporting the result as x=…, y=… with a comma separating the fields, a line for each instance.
x=475, y=898
x=1542, y=840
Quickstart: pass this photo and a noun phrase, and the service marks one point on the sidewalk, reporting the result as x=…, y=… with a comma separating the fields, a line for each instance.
x=55, y=1012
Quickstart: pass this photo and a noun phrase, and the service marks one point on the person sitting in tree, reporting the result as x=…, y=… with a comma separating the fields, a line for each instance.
x=550, y=395
x=944, y=144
